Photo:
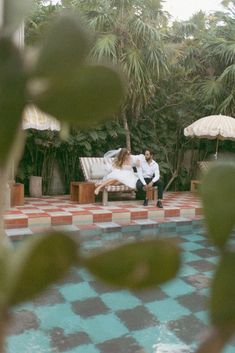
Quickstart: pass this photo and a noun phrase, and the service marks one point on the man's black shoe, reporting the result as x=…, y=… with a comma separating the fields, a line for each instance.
x=146, y=202
x=159, y=204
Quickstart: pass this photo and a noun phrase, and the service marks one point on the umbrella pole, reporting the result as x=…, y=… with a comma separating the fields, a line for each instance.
x=216, y=152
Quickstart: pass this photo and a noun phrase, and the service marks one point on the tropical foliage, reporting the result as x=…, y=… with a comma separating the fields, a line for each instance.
x=175, y=73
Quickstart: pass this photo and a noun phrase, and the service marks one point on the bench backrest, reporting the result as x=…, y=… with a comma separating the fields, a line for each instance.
x=87, y=162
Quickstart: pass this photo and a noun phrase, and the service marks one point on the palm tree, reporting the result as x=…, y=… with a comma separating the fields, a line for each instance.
x=129, y=33
x=219, y=47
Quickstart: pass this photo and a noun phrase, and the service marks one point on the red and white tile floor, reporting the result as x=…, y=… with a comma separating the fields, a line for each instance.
x=41, y=214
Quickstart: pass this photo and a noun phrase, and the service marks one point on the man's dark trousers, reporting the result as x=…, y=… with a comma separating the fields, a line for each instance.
x=159, y=184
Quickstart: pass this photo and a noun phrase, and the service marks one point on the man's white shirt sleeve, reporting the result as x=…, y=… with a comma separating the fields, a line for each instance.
x=156, y=173
x=135, y=159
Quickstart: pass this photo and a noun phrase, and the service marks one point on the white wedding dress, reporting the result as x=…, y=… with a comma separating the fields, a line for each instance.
x=125, y=175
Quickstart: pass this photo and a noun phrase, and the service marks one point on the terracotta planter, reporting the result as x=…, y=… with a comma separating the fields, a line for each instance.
x=17, y=194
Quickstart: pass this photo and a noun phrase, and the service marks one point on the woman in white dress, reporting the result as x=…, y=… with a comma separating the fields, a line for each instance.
x=122, y=172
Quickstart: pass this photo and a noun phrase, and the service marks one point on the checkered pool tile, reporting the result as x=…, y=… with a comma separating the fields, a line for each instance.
x=81, y=314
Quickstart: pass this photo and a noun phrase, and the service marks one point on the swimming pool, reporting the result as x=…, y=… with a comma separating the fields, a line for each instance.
x=82, y=315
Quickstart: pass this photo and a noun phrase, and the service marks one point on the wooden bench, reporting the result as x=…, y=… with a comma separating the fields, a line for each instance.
x=86, y=164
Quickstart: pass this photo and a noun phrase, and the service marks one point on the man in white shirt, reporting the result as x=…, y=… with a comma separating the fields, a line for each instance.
x=149, y=177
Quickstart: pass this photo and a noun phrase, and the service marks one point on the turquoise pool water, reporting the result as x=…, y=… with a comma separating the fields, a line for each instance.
x=82, y=315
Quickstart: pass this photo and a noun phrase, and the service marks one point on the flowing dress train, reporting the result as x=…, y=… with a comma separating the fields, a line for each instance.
x=125, y=175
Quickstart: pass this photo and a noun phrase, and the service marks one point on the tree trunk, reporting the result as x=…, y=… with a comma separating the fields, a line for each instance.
x=175, y=175
x=127, y=131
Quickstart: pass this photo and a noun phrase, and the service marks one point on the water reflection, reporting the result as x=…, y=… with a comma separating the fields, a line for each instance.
x=171, y=348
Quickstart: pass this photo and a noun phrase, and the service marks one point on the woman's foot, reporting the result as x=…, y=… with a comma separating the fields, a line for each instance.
x=97, y=190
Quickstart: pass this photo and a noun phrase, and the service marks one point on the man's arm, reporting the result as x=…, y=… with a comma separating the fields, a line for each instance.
x=136, y=161
x=156, y=173
x=140, y=173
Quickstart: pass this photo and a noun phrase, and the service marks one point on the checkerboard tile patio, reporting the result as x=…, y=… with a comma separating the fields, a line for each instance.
x=52, y=211
x=41, y=215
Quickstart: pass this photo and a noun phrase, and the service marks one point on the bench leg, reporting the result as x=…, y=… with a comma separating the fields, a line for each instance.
x=105, y=198
x=152, y=194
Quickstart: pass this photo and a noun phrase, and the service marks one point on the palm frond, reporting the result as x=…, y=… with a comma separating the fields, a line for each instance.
x=223, y=49
x=105, y=47
x=100, y=21
x=133, y=65
x=191, y=59
x=93, y=135
x=211, y=90
x=228, y=75
x=144, y=30
x=156, y=60
x=174, y=52
x=227, y=106
x=182, y=30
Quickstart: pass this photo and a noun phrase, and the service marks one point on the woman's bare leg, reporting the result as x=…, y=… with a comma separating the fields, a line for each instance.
x=105, y=183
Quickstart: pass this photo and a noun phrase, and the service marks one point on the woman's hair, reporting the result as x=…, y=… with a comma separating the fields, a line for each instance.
x=121, y=157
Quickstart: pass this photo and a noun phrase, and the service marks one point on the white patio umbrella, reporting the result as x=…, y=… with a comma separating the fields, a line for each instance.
x=219, y=127
x=34, y=118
